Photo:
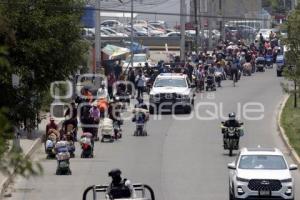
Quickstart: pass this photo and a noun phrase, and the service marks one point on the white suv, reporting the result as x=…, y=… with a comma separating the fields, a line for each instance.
x=260, y=173
x=172, y=91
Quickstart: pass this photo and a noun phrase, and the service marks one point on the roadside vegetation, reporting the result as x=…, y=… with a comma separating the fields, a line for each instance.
x=290, y=121
x=40, y=42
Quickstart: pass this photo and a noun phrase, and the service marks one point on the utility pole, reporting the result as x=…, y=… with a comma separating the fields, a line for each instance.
x=222, y=31
x=196, y=23
x=209, y=20
x=131, y=34
x=182, y=30
x=98, y=37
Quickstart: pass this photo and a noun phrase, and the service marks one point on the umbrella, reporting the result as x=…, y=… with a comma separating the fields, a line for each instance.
x=115, y=51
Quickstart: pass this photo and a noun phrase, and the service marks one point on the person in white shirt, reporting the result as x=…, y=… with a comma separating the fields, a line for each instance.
x=140, y=82
x=102, y=91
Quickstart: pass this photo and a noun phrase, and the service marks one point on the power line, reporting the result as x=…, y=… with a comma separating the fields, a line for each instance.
x=80, y=8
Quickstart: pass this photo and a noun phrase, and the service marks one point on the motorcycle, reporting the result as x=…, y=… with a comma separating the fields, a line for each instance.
x=141, y=117
x=231, y=137
x=87, y=145
x=49, y=145
x=218, y=78
x=63, y=158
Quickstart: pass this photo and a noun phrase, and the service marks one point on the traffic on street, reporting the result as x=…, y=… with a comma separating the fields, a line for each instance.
x=129, y=99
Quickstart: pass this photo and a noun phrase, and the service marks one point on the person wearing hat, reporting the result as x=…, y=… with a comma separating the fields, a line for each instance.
x=119, y=188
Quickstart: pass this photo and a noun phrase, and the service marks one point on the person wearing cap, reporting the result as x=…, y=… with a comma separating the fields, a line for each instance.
x=119, y=188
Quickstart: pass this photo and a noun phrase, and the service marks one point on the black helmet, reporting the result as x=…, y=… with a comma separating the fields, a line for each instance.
x=114, y=173
x=231, y=116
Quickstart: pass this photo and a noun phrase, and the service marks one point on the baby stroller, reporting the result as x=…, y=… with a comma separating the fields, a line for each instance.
x=211, y=82
x=141, y=116
x=260, y=64
x=68, y=138
x=87, y=145
x=269, y=60
x=50, y=144
x=107, y=130
x=122, y=95
x=63, y=158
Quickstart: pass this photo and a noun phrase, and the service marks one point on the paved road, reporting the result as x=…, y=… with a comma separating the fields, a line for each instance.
x=181, y=159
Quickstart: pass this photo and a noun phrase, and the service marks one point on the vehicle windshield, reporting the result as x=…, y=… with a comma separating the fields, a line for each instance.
x=170, y=82
x=262, y=162
x=139, y=58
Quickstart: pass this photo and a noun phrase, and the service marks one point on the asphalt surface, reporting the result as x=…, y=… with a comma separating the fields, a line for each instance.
x=180, y=159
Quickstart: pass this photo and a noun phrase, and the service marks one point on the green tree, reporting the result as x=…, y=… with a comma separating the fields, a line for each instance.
x=12, y=159
x=292, y=42
x=47, y=47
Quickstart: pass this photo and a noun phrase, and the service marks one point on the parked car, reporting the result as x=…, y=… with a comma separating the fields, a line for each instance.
x=90, y=33
x=260, y=173
x=111, y=23
x=136, y=32
x=151, y=30
x=172, y=34
x=112, y=32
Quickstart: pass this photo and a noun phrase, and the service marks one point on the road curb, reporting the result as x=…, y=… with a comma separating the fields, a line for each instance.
x=7, y=181
x=284, y=137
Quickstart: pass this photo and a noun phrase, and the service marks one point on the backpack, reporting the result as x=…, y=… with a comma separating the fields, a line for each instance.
x=120, y=191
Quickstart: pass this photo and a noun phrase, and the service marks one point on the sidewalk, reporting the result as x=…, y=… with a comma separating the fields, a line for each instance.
x=29, y=146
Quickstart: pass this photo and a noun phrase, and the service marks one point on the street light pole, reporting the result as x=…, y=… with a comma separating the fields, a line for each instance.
x=182, y=30
x=131, y=34
x=196, y=23
x=98, y=37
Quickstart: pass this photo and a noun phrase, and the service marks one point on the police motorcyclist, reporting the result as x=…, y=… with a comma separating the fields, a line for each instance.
x=231, y=123
x=119, y=188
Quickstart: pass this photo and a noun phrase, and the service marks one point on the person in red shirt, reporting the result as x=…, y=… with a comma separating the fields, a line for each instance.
x=88, y=95
x=52, y=128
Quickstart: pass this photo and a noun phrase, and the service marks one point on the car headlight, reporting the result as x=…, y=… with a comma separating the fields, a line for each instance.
x=288, y=180
x=242, y=179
